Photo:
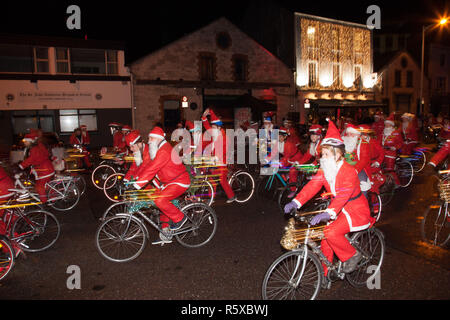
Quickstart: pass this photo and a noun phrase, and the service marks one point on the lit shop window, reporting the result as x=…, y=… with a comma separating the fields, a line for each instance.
x=69, y=120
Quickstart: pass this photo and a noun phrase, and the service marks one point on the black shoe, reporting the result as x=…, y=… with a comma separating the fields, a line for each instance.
x=177, y=225
x=351, y=264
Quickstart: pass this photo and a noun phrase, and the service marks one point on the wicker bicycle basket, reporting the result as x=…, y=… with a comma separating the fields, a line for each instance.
x=444, y=190
x=295, y=234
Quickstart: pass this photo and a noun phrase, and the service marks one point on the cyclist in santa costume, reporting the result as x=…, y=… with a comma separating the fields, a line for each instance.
x=218, y=149
x=39, y=161
x=410, y=133
x=196, y=137
x=313, y=152
x=119, y=144
x=167, y=167
x=357, y=153
x=378, y=125
x=140, y=151
x=391, y=141
x=376, y=157
x=441, y=155
x=348, y=210
x=80, y=139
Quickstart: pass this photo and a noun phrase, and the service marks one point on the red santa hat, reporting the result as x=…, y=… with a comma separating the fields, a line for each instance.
x=215, y=120
x=157, y=132
x=189, y=125
x=333, y=137
x=126, y=128
x=114, y=124
x=390, y=120
x=31, y=137
x=351, y=128
x=132, y=137
x=83, y=126
x=283, y=130
x=316, y=129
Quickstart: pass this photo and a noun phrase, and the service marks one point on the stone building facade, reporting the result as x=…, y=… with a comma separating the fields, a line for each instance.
x=218, y=66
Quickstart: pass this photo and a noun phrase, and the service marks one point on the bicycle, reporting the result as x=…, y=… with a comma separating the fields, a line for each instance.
x=33, y=230
x=62, y=192
x=270, y=183
x=111, y=164
x=123, y=237
x=417, y=158
x=435, y=226
x=7, y=257
x=299, y=274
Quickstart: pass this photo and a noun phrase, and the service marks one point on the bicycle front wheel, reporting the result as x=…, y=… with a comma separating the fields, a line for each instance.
x=100, y=174
x=121, y=238
x=419, y=160
x=371, y=244
x=36, y=231
x=201, y=191
x=200, y=228
x=435, y=226
x=405, y=173
x=291, y=277
x=114, y=187
x=243, y=186
x=63, y=195
x=6, y=258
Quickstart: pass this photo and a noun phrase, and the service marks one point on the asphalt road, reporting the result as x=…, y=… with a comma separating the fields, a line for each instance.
x=231, y=266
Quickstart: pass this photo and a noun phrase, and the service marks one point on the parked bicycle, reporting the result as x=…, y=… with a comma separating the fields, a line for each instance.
x=298, y=274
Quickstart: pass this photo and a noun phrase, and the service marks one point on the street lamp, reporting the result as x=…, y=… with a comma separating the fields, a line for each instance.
x=442, y=22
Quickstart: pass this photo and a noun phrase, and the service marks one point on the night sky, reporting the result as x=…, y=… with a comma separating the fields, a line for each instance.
x=145, y=28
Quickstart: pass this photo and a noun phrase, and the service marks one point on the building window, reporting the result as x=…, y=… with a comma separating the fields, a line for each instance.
x=207, y=66
x=32, y=119
x=240, y=67
x=409, y=79
x=87, y=61
x=62, y=60
x=223, y=40
x=337, y=75
x=312, y=74
x=111, y=62
x=16, y=58
x=358, y=72
x=41, y=60
x=69, y=120
x=397, y=76
x=441, y=85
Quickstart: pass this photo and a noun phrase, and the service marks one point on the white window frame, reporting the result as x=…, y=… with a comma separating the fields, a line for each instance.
x=59, y=61
x=107, y=62
x=316, y=75
x=36, y=60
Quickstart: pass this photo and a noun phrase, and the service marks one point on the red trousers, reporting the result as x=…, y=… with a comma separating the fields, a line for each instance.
x=163, y=198
x=222, y=173
x=40, y=188
x=389, y=166
x=335, y=241
x=408, y=148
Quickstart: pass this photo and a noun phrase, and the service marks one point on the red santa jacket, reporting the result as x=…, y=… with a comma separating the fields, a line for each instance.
x=313, y=153
x=217, y=148
x=347, y=197
x=291, y=153
x=6, y=183
x=74, y=139
x=363, y=157
x=393, y=140
x=378, y=128
x=40, y=162
x=167, y=167
x=145, y=158
x=119, y=141
x=376, y=153
x=410, y=134
x=441, y=155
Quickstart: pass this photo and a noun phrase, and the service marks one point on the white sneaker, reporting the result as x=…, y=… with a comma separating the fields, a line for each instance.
x=165, y=237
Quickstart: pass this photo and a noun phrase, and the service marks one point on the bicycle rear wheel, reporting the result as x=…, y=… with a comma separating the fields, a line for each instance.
x=435, y=226
x=282, y=282
x=35, y=231
x=387, y=190
x=200, y=228
x=6, y=258
x=121, y=238
x=243, y=186
x=371, y=245
x=66, y=192
x=419, y=160
x=100, y=174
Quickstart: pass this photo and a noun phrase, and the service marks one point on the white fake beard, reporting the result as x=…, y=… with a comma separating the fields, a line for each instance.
x=330, y=169
x=388, y=131
x=350, y=143
x=312, y=148
x=137, y=157
x=281, y=147
x=152, y=149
